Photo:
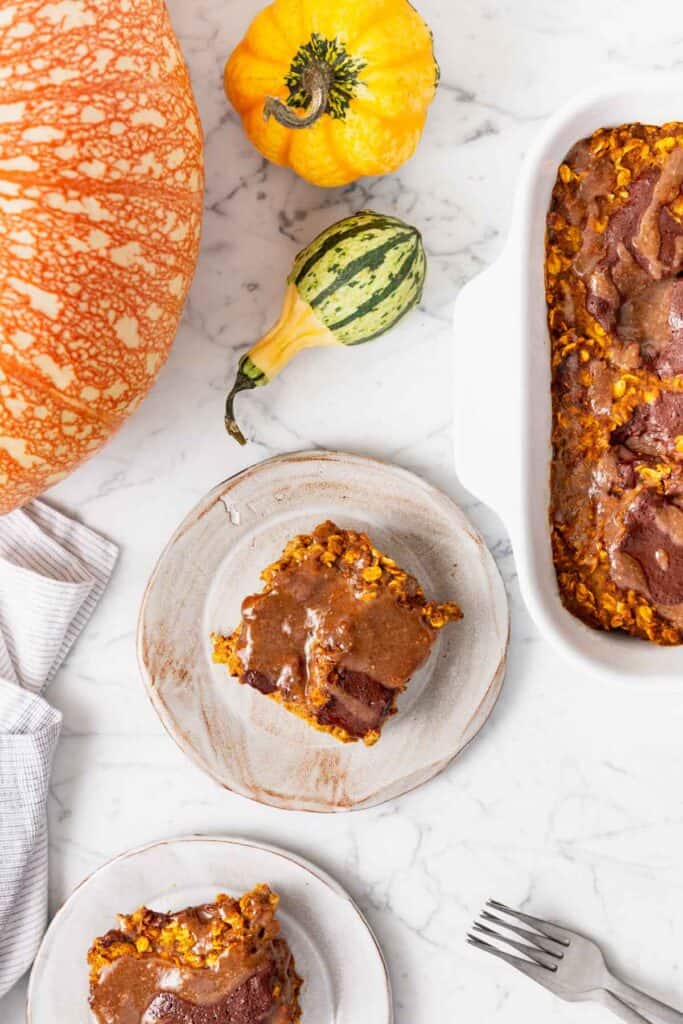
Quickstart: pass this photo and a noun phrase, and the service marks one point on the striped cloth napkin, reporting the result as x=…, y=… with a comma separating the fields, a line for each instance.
x=52, y=573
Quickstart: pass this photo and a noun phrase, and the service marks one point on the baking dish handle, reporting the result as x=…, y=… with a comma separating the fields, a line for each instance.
x=486, y=417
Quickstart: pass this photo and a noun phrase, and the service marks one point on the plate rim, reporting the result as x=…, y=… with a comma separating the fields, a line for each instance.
x=202, y=506
x=230, y=840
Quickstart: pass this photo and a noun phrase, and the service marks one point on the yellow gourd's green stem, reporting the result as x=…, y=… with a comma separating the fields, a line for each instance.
x=316, y=81
x=323, y=79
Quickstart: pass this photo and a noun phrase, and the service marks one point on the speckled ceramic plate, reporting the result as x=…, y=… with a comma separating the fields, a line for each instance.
x=249, y=743
x=345, y=977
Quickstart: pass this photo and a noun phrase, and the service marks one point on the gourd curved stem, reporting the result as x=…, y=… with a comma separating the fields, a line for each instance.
x=316, y=80
x=242, y=383
x=297, y=328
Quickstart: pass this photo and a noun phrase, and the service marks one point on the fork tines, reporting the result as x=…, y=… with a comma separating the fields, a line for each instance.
x=543, y=946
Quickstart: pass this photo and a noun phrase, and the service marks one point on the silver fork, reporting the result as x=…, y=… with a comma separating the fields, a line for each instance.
x=569, y=965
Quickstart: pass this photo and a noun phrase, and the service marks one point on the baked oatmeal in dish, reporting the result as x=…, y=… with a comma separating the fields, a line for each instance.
x=219, y=963
x=614, y=284
x=336, y=633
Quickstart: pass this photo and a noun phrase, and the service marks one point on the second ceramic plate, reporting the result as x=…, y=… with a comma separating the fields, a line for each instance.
x=247, y=742
x=345, y=977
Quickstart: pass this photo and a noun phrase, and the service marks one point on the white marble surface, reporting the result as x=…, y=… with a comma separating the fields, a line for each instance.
x=570, y=801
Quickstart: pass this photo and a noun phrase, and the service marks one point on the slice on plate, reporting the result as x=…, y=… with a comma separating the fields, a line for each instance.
x=220, y=962
x=336, y=634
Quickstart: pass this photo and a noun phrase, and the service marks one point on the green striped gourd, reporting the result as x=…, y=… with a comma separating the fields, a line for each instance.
x=351, y=284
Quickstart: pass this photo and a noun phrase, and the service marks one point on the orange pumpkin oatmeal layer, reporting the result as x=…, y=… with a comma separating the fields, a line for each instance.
x=224, y=961
x=336, y=633
x=614, y=284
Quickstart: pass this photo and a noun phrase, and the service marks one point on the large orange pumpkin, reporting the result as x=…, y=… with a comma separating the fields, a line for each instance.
x=100, y=210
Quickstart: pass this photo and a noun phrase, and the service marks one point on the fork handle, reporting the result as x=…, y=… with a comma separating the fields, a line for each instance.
x=660, y=1012
x=621, y=1010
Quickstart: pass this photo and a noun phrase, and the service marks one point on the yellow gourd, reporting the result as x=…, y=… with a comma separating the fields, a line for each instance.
x=335, y=89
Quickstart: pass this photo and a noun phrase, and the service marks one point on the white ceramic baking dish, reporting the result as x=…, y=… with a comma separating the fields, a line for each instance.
x=502, y=381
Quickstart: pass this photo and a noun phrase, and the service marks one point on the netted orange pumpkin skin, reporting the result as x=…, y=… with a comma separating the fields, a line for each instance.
x=378, y=57
x=101, y=182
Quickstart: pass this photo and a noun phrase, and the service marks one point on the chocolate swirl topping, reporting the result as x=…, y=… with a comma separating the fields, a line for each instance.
x=250, y=1003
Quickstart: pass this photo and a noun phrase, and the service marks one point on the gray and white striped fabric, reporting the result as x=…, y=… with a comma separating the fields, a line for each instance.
x=52, y=573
